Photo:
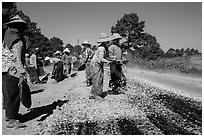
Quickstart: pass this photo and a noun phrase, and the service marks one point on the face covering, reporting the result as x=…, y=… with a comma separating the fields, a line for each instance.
x=10, y=36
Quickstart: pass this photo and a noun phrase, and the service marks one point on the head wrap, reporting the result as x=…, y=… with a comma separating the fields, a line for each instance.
x=11, y=35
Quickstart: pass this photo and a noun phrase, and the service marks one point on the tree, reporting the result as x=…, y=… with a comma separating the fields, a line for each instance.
x=77, y=50
x=182, y=51
x=32, y=33
x=196, y=52
x=9, y=9
x=192, y=51
x=147, y=47
x=187, y=51
x=38, y=40
x=144, y=44
x=156, y=52
x=178, y=53
x=56, y=44
x=170, y=53
x=145, y=51
x=129, y=26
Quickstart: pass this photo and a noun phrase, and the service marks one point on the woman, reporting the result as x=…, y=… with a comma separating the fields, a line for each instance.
x=97, y=66
x=118, y=79
x=57, y=69
x=13, y=68
x=88, y=54
x=66, y=59
x=27, y=60
x=57, y=54
x=33, y=67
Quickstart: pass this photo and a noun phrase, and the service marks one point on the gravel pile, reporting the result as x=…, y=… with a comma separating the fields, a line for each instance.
x=141, y=109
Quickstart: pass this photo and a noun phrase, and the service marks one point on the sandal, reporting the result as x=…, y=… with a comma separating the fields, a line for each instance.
x=15, y=124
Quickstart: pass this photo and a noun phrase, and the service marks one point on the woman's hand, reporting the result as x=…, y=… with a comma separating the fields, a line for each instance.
x=108, y=62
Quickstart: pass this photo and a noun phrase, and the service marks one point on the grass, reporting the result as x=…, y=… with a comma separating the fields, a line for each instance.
x=191, y=65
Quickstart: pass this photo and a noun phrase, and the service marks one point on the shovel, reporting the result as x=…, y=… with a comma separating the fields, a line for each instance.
x=80, y=68
x=45, y=78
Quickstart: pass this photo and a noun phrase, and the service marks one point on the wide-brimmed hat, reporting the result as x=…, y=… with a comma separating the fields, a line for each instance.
x=104, y=38
x=15, y=19
x=66, y=50
x=116, y=36
x=47, y=58
x=86, y=42
x=57, y=52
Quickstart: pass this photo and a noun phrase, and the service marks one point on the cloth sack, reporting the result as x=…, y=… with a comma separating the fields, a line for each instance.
x=25, y=94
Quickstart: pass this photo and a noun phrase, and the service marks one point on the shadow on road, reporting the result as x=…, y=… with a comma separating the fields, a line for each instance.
x=37, y=91
x=38, y=111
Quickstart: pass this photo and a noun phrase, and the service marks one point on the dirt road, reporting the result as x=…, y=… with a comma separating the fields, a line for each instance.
x=48, y=97
x=44, y=98
x=186, y=85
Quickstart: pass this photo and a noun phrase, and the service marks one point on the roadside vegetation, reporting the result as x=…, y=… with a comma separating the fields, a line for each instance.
x=191, y=65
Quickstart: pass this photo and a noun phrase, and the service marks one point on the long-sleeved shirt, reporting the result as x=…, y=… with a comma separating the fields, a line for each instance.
x=27, y=62
x=12, y=60
x=100, y=55
x=88, y=54
x=54, y=60
x=115, y=52
x=66, y=59
x=33, y=61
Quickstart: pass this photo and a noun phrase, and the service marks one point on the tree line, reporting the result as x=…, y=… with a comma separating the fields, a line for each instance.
x=181, y=52
x=142, y=44
x=139, y=43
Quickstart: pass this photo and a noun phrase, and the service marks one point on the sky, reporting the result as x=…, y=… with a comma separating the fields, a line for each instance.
x=174, y=24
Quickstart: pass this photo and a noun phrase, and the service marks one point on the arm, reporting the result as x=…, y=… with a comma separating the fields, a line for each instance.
x=53, y=70
x=17, y=50
x=35, y=61
x=86, y=53
x=64, y=59
x=112, y=54
x=86, y=56
x=102, y=56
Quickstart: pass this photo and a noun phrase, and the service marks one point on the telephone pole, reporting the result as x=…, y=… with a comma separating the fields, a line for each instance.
x=78, y=41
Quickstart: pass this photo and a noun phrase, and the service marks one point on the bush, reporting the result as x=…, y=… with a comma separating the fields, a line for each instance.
x=179, y=64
